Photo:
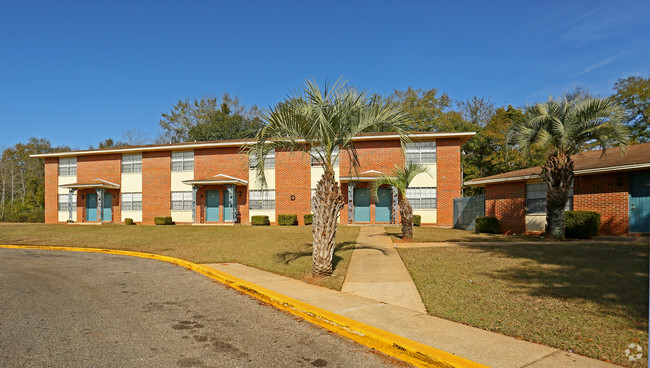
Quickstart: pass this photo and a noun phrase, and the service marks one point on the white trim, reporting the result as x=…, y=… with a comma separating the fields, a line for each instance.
x=613, y=168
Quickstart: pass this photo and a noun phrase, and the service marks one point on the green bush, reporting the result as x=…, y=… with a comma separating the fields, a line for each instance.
x=287, y=220
x=581, y=224
x=70, y=221
x=260, y=221
x=417, y=220
x=166, y=220
x=128, y=221
x=309, y=219
x=487, y=224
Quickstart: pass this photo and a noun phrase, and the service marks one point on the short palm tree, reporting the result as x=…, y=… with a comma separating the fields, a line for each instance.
x=401, y=178
x=322, y=124
x=562, y=128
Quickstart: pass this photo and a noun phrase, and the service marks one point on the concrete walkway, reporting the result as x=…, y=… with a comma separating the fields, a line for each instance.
x=377, y=272
x=485, y=347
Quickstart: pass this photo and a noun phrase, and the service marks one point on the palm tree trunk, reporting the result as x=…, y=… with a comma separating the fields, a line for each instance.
x=406, y=212
x=557, y=174
x=326, y=207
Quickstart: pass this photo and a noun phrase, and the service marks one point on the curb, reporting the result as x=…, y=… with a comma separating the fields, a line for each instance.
x=388, y=343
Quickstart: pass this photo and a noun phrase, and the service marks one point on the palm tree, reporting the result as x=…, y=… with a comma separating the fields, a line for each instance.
x=401, y=178
x=562, y=128
x=322, y=124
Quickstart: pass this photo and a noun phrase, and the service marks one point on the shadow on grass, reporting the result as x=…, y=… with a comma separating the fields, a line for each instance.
x=452, y=235
x=614, y=276
x=288, y=257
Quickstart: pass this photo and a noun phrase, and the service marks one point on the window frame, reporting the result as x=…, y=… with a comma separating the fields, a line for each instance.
x=419, y=150
x=315, y=162
x=417, y=202
x=265, y=201
x=68, y=166
x=130, y=202
x=269, y=160
x=184, y=158
x=131, y=163
x=537, y=205
x=185, y=201
x=62, y=206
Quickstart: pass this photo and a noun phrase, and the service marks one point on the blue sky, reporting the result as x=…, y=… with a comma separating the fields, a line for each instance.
x=79, y=72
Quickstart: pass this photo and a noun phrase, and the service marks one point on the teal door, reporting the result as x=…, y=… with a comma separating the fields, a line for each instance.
x=107, y=213
x=91, y=207
x=227, y=207
x=361, y=205
x=212, y=206
x=640, y=203
x=383, y=204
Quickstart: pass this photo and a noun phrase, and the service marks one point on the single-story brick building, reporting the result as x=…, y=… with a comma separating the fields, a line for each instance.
x=615, y=184
x=215, y=182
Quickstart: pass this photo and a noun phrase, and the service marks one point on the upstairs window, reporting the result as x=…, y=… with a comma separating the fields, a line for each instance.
x=131, y=201
x=183, y=161
x=262, y=199
x=316, y=160
x=421, y=152
x=422, y=198
x=132, y=163
x=68, y=166
x=536, y=199
x=269, y=161
x=63, y=202
x=181, y=201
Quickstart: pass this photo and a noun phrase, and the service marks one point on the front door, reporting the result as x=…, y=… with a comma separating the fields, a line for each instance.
x=361, y=205
x=212, y=206
x=227, y=207
x=107, y=204
x=640, y=203
x=91, y=207
x=383, y=205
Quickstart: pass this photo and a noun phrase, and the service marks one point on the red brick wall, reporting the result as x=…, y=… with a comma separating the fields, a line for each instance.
x=507, y=202
x=601, y=193
x=374, y=155
x=292, y=178
x=105, y=167
x=449, y=179
x=51, y=190
x=156, y=185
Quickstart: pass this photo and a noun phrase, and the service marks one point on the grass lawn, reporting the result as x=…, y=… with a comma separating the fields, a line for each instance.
x=284, y=250
x=436, y=234
x=591, y=298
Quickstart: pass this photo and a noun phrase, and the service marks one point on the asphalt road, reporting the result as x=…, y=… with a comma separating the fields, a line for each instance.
x=69, y=309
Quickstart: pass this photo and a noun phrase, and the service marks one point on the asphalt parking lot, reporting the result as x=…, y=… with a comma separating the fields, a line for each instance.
x=70, y=309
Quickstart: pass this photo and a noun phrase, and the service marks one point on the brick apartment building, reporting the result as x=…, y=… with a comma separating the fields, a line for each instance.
x=614, y=184
x=214, y=182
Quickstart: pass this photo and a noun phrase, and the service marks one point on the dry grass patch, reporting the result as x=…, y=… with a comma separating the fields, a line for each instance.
x=426, y=234
x=284, y=250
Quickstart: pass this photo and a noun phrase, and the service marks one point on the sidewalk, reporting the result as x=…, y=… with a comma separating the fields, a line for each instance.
x=485, y=347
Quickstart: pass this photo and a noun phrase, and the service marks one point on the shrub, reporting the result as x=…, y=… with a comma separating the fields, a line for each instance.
x=260, y=221
x=581, y=224
x=309, y=219
x=70, y=221
x=128, y=221
x=287, y=220
x=417, y=220
x=487, y=224
x=166, y=220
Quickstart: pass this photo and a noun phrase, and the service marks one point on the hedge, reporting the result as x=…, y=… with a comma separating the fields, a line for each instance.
x=128, y=221
x=287, y=220
x=581, y=224
x=487, y=224
x=260, y=221
x=309, y=219
x=167, y=220
x=417, y=220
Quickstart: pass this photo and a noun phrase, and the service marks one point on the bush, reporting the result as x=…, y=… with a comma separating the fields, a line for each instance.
x=581, y=224
x=260, y=221
x=417, y=220
x=167, y=220
x=70, y=221
x=309, y=219
x=487, y=224
x=128, y=221
x=287, y=220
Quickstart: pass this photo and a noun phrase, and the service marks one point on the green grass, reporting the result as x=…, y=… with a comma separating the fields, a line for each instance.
x=591, y=298
x=285, y=250
x=436, y=234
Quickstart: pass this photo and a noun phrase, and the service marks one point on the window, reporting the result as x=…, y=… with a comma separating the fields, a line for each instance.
x=132, y=163
x=422, y=198
x=262, y=199
x=316, y=161
x=131, y=201
x=269, y=161
x=181, y=201
x=183, y=161
x=421, y=152
x=536, y=199
x=63, y=202
x=68, y=166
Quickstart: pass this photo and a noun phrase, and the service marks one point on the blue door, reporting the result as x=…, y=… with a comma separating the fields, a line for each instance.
x=212, y=206
x=361, y=205
x=227, y=207
x=640, y=203
x=107, y=213
x=383, y=205
x=91, y=207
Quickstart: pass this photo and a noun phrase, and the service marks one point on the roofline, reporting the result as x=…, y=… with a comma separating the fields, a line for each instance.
x=465, y=136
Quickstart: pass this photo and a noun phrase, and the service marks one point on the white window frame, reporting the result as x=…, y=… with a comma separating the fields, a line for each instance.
x=261, y=199
x=184, y=159
x=536, y=199
x=181, y=201
x=68, y=166
x=421, y=152
x=422, y=198
x=132, y=201
x=317, y=162
x=132, y=163
x=269, y=160
x=62, y=205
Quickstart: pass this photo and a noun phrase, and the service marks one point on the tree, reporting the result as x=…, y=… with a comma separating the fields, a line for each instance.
x=401, y=178
x=562, y=128
x=427, y=108
x=633, y=94
x=326, y=121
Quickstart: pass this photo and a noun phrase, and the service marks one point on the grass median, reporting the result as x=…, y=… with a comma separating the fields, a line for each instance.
x=284, y=250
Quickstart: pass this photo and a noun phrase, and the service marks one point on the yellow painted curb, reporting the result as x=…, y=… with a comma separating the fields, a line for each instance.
x=388, y=343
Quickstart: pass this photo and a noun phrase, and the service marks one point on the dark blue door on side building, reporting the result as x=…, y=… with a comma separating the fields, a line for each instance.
x=361, y=205
x=91, y=207
x=640, y=203
x=212, y=206
x=383, y=205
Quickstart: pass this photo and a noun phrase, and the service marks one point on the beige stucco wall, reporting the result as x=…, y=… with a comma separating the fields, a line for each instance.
x=177, y=178
x=269, y=175
x=424, y=180
x=317, y=172
x=63, y=215
x=269, y=213
x=135, y=215
x=428, y=216
x=131, y=183
x=181, y=216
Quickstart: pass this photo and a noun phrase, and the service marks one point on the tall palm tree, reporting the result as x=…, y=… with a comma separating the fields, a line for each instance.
x=401, y=178
x=322, y=124
x=562, y=128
